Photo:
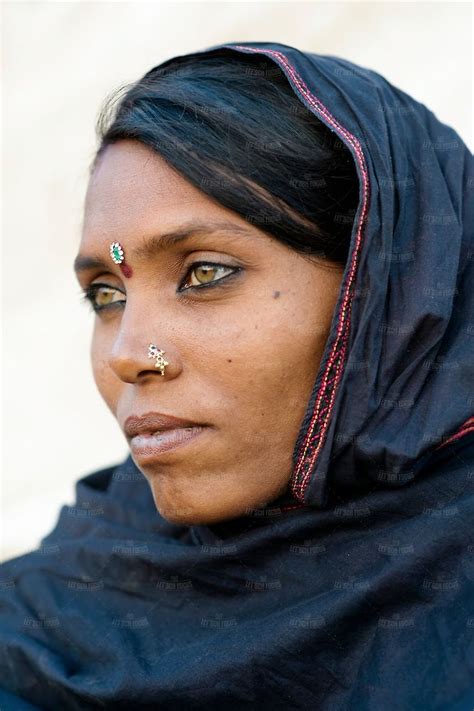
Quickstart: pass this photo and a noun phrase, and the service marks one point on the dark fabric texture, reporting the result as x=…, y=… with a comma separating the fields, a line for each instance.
x=354, y=590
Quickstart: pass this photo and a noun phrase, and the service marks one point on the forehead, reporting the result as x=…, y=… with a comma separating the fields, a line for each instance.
x=133, y=188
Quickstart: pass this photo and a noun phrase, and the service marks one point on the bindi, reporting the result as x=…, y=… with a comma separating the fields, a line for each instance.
x=118, y=256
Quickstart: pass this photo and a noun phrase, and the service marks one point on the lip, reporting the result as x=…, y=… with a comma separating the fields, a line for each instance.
x=151, y=422
x=147, y=447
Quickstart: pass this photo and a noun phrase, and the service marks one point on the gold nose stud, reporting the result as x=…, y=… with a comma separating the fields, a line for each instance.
x=155, y=352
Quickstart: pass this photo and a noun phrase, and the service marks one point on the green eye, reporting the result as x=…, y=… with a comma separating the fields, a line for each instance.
x=200, y=275
x=204, y=273
x=101, y=296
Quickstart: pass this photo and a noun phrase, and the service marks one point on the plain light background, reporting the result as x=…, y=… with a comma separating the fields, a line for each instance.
x=60, y=61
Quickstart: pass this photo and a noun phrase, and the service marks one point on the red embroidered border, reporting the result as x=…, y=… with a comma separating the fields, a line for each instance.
x=324, y=403
x=466, y=427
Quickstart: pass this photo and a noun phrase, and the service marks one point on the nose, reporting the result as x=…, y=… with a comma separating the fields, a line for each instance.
x=135, y=355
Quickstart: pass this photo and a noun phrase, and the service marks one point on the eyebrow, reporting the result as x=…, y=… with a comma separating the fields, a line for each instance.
x=152, y=246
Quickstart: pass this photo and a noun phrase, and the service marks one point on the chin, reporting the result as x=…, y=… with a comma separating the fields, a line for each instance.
x=191, y=516
x=194, y=513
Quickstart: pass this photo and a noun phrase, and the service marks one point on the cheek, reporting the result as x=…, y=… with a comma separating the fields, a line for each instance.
x=266, y=362
x=107, y=383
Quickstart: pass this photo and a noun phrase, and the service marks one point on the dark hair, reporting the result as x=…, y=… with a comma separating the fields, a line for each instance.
x=234, y=128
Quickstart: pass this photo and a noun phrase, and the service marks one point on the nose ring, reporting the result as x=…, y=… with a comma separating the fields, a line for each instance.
x=155, y=352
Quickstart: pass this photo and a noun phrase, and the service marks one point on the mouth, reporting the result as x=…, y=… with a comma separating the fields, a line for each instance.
x=148, y=447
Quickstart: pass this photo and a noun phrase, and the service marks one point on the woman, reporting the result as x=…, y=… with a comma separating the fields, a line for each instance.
x=278, y=248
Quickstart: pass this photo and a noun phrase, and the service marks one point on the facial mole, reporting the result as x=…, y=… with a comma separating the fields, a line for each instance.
x=229, y=360
x=276, y=294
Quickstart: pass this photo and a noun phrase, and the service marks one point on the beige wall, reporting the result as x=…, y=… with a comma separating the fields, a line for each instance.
x=60, y=60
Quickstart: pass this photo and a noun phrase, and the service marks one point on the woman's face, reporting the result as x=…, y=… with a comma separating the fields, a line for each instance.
x=243, y=333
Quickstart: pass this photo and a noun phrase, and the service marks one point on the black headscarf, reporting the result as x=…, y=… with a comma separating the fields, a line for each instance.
x=353, y=590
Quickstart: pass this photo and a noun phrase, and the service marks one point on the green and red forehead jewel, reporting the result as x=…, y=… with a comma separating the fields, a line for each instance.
x=118, y=256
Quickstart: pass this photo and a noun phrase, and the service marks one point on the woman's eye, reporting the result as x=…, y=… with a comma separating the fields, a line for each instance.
x=201, y=274
x=101, y=296
x=204, y=273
